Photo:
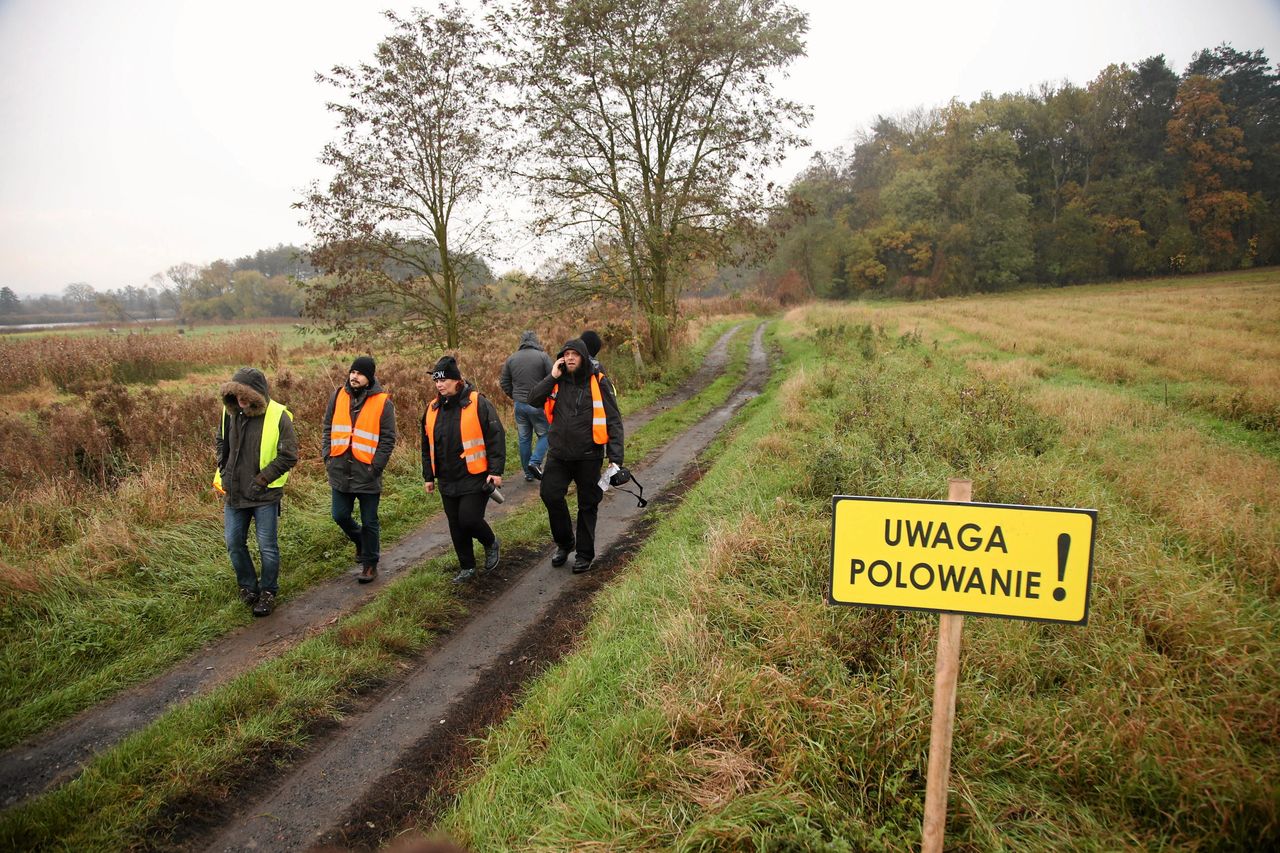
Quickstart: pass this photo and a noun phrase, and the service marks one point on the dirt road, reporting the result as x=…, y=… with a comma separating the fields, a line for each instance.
x=56, y=756
x=374, y=770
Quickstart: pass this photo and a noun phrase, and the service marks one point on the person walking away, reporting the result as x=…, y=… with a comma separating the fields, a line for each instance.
x=586, y=426
x=359, y=436
x=591, y=338
x=256, y=449
x=464, y=450
x=526, y=367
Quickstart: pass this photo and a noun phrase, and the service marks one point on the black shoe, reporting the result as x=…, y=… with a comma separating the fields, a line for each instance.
x=491, y=556
x=266, y=603
x=582, y=564
x=535, y=470
x=368, y=573
x=248, y=596
x=561, y=556
x=528, y=478
x=464, y=576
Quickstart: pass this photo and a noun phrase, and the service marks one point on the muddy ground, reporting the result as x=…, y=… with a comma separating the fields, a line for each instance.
x=394, y=759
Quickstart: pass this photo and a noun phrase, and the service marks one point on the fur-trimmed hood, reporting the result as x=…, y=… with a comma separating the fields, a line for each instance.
x=248, y=382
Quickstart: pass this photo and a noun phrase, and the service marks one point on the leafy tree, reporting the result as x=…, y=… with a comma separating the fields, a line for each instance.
x=10, y=304
x=653, y=121
x=401, y=221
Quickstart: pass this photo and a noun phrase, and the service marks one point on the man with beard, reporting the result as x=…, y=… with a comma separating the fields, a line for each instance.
x=586, y=427
x=359, y=435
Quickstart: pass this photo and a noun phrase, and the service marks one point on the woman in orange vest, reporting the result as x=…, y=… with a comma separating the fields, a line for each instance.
x=464, y=451
x=359, y=435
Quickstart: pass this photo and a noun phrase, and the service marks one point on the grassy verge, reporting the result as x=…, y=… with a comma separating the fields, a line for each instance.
x=146, y=582
x=716, y=702
x=136, y=793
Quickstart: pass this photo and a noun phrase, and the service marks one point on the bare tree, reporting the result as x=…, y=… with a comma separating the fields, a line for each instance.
x=402, y=221
x=652, y=123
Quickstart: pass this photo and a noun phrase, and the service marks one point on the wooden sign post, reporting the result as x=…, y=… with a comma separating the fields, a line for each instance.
x=945, y=674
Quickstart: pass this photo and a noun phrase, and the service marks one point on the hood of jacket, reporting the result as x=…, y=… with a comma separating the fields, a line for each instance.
x=586, y=368
x=249, y=382
x=529, y=340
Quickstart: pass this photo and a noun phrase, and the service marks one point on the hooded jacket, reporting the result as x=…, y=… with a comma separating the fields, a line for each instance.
x=237, y=444
x=347, y=473
x=569, y=437
x=451, y=474
x=525, y=368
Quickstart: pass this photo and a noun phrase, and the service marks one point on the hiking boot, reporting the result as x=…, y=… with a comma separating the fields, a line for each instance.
x=266, y=604
x=465, y=575
x=368, y=573
x=561, y=556
x=582, y=564
x=248, y=596
x=491, y=555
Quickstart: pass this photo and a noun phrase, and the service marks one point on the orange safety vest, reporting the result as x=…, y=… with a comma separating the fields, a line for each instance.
x=472, y=437
x=599, y=429
x=363, y=440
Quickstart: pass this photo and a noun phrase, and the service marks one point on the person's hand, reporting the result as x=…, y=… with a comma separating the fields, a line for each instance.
x=557, y=368
x=496, y=480
x=429, y=486
x=261, y=480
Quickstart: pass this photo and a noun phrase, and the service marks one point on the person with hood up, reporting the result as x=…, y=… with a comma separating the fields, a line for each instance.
x=526, y=367
x=592, y=339
x=256, y=449
x=464, y=451
x=359, y=435
x=586, y=426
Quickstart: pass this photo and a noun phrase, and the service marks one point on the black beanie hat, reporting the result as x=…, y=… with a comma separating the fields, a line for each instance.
x=446, y=368
x=363, y=364
x=592, y=340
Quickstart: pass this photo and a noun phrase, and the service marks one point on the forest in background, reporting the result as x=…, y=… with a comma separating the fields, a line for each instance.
x=1140, y=172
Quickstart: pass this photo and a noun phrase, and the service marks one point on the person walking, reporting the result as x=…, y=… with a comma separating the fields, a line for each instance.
x=256, y=449
x=526, y=367
x=464, y=451
x=586, y=426
x=359, y=435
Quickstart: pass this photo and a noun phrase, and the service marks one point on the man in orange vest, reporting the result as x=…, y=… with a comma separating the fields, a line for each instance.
x=586, y=427
x=359, y=435
x=464, y=452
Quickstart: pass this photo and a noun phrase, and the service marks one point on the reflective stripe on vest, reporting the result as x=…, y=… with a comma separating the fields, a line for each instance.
x=473, y=451
x=599, y=428
x=363, y=440
x=268, y=448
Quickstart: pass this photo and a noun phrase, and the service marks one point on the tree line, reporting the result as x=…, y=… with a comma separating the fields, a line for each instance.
x=1140, y=172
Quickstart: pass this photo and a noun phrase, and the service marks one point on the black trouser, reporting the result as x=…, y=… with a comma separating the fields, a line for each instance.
x=466, y=522
x=365, y=535
x=556, y=476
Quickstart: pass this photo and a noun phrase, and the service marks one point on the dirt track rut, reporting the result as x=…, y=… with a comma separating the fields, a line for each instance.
x=56, y=756
x=373, y=747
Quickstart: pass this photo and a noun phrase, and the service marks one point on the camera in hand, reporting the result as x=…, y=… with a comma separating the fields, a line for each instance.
x=494, y=493
x=621, y=476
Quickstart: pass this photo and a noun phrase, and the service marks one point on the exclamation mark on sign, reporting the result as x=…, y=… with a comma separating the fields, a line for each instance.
x=1064, y=548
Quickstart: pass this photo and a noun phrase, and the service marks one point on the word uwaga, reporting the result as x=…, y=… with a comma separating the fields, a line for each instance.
x=948, y=577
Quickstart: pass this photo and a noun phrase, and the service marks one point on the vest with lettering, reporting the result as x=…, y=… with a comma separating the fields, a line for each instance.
x=363, y=437
x=473, y=451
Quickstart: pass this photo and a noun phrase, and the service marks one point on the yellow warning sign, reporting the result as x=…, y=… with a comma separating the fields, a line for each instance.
x=1023, y=562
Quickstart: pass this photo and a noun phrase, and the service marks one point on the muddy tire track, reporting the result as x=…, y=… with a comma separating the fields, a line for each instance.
x=56, y=756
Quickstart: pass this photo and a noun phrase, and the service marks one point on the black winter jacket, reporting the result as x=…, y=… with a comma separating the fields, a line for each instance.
x=239, y=435
x=451, y=472
x=347, y=473
x=569, y=437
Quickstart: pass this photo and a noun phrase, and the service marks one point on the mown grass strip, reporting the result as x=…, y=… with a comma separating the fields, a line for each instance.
x=137, y=792
x=716, y=702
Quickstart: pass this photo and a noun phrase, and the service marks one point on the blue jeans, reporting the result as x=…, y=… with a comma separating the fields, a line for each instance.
x=235, y=532
x=530, y=421
x=364, y=534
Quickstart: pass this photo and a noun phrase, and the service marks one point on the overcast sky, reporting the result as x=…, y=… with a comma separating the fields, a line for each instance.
x=137, y=134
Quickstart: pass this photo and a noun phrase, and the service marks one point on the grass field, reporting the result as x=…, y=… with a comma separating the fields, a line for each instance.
x=718, y=703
